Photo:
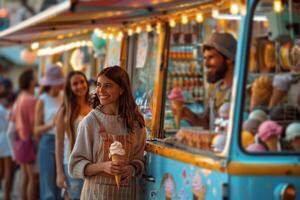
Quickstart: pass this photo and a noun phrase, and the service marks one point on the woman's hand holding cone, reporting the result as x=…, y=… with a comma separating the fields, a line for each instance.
x=113, y=167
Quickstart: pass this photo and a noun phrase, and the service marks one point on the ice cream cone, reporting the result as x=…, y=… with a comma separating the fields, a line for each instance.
x=261, y=91
x=201, y=194
x=117, y=153
x=271, y=143
x=177, y=107
x=168, y=195
x=117, y=157
x=255, y=101
x=276, y=97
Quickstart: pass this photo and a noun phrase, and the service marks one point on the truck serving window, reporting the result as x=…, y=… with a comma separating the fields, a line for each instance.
x=271, y=121
x=189, y=123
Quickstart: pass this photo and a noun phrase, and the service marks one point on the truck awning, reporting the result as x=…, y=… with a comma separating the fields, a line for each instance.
x=80, y=16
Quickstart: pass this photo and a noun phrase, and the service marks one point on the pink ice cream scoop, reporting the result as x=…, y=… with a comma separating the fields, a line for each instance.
x=251, y=125
x=269, y=128
x=176, y=94
x=256, y=148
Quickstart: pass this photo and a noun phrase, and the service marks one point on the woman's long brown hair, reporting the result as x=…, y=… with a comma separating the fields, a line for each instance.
x=128, y=109
x=70, y=107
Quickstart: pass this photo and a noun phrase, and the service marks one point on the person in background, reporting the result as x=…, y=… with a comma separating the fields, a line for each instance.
x=114, y=119
x=75, y=106
x=23, y=116
x=44, y=128
x=6, y=164
x=219, y=57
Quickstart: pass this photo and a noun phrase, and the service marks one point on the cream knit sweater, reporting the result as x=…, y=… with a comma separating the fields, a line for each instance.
x=88, y=141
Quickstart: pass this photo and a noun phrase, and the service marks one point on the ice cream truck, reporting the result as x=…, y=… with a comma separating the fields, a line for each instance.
x=252, y=149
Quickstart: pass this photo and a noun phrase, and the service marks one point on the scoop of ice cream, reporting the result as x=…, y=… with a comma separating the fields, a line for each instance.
x=197, y=182
x=224, y=110
x=292, y=131
x=251, y=125
x=294, y=57
x=282, y=82
x=258, y=115
x=176, y=94
x=169, y=185
x=116, y=148
x=247, y=139
x=256, y=148
x=268, y=129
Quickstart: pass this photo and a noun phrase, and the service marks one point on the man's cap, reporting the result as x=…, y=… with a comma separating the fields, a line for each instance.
x=225, y=43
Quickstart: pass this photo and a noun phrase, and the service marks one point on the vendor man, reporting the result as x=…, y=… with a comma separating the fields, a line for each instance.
x=219, y=56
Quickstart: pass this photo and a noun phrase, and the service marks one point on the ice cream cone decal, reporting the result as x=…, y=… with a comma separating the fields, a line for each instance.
x=117, y=153
x=199, y=189
x=168, y=186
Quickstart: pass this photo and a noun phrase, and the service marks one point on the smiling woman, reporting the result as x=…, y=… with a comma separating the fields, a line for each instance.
x=117, y=119
x=75, y=106
x=108, y=92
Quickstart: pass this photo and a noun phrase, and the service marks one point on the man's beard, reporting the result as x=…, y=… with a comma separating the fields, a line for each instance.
x=218, y=75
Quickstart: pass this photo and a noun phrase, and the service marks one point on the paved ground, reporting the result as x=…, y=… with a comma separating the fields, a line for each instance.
x=16, y=187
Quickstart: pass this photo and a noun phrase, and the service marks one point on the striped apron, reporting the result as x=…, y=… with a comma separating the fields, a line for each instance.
x=103, y=186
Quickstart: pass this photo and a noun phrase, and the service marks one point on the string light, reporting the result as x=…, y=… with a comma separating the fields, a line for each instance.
x=120, y=36
x=184, y=19
x=130, y=32
x=234, y=8
x=277, y=6
x=98, y=32
x=148, y=28
x=34, y=45
x=158, y=28
x=199, y=17
x=215, y=13
x=138, y=29
x=111, y=36
x=104, y=36
x=61, y=48
x=172, y=23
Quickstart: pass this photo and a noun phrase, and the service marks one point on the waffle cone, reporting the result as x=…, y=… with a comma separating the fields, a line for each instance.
x=177, y=119
x=168, y=195
x=276, y=97
x=199, y=194
x=255, y=101
x=272, y=143
x=177, y=107
x=117, y=157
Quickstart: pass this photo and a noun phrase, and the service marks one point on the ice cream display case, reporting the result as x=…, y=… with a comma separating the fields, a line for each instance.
x=253, y=146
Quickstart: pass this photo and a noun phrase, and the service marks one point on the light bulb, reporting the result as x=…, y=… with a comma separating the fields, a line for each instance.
x=130, y=32
x=172, y=23
x=215, y=13
x=158, y=26
x=35, y=45
x=148, y=28
x=104, y=35
x=98, y=32
x=138, y=29
x=277, y=6
x=111, y=36
x=199, y=17
x=184, y=19
x=234, y=8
